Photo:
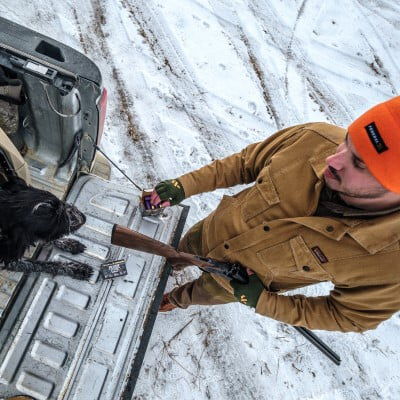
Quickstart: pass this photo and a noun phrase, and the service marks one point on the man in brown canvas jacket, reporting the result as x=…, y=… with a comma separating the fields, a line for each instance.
x=325, y=206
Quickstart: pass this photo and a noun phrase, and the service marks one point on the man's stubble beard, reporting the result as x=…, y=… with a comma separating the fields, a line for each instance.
x=371, y=194
x=367, y=195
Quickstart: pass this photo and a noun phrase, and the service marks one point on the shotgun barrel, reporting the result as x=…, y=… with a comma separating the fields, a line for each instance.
x=125, y=237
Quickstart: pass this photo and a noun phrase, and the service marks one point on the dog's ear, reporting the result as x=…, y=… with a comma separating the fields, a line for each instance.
x=14, y=184
x=14, y=245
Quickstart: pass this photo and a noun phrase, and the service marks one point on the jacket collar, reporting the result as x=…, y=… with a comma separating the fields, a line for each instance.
x=377, y=233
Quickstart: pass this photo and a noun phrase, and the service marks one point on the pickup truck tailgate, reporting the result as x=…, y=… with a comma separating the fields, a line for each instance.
x=80, y=340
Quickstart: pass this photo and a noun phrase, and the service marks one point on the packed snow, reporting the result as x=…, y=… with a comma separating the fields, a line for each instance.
x=190, y=81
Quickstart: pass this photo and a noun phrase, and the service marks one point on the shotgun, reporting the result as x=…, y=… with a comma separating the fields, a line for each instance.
x=125, y=237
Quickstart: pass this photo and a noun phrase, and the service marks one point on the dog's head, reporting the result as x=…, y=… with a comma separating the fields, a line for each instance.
x=28, y=215
x=52, y=218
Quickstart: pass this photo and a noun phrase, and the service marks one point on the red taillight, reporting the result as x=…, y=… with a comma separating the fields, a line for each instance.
x=102, y=106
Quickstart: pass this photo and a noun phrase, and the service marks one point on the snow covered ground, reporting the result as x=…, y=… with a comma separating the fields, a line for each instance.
x=194, y=80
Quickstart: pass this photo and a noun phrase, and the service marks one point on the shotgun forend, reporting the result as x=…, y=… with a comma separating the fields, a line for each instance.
x=125, y=237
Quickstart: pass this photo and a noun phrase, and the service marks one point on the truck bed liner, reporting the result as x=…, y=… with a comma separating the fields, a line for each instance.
x=73, y=339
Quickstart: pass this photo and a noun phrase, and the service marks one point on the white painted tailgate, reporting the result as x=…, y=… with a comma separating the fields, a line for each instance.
x=78, y=340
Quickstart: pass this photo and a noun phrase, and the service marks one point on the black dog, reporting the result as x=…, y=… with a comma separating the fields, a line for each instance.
x=28, y=216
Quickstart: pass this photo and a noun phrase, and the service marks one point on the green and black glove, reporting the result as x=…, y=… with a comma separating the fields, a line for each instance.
x=250, y=293
x=170, y=190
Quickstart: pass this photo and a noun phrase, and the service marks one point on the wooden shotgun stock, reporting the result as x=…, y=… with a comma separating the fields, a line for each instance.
x=125, y=237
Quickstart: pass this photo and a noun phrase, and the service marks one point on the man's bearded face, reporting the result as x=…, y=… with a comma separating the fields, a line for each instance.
x=347, y=174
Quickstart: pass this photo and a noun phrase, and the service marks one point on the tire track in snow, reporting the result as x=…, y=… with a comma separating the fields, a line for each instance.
x=327, y=101
x=245, y=51
x=394, y=63
x=124, y=100
x=377, y=66
x=389, y=5
x=289, y=55
x=191, y=97
x=82, y=41
x=258, y=71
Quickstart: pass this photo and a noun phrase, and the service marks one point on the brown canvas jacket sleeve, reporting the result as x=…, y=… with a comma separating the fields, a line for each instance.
x=345, y=309
x=239, y=168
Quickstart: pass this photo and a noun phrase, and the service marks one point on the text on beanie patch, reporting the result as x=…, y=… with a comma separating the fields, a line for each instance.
x=376, y=138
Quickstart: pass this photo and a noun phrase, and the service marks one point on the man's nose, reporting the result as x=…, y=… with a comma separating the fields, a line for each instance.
x=337, y=160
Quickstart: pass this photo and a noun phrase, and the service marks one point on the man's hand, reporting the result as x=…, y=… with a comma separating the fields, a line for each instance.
x=167, y=193
x=250, y=293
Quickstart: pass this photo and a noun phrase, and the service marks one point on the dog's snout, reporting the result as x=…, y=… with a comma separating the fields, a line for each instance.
x=76, y=217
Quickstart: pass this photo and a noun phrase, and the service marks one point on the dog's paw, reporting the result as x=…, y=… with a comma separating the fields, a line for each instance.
x=70, y=245
x=78, y=270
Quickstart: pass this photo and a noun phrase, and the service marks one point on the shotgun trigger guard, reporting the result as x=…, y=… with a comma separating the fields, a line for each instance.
x=232, y=271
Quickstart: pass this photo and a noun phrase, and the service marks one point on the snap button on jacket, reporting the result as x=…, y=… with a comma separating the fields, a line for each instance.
x=359, y=256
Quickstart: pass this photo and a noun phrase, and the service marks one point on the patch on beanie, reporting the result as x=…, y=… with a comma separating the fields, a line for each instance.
x=376, y=138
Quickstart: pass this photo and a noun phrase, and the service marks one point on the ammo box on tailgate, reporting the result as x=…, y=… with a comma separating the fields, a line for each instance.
x=62, y=338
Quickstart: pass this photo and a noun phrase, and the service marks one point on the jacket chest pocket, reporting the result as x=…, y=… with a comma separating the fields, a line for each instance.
x=293, y=259
x=260, y=197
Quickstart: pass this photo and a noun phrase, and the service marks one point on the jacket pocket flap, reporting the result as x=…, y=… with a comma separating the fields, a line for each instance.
x=306, y=263
x=266, y=187
x=261, y=196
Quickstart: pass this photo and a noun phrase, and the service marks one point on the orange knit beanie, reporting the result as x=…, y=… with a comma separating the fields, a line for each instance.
x=376, y=137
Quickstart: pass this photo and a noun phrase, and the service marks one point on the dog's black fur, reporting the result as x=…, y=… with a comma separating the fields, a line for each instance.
x=28, y=216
